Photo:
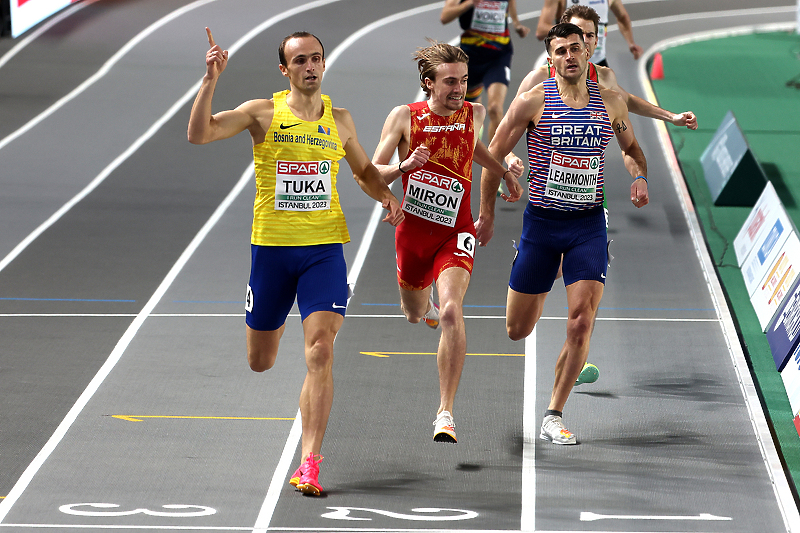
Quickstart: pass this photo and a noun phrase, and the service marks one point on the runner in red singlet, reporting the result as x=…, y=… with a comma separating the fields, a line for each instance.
x=436, y=142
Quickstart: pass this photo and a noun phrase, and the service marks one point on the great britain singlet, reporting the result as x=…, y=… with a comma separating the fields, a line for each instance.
x=297, y=203
x=437, y=195
x=566, y=152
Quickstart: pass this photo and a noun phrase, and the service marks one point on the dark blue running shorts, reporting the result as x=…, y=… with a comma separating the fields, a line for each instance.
x=547, y=234
x=316, y=275
x=487, y=66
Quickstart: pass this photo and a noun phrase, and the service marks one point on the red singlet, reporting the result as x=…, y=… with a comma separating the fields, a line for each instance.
x=438, y=231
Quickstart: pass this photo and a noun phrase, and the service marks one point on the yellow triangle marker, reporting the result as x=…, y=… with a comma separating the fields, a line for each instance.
x=137, y=418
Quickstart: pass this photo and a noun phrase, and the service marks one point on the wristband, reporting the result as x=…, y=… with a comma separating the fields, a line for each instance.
x=400, y=168
x=637, y=177
x=504, y=174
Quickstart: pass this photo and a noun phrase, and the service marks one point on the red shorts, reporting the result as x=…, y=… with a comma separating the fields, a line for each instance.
x=421, y=257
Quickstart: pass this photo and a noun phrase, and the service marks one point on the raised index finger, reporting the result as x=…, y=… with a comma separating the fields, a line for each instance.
x=210, y=38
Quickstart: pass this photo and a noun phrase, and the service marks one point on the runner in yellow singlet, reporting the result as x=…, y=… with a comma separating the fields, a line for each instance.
x=298, y=226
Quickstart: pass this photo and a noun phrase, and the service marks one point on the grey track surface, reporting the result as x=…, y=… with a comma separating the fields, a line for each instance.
x=664, y=432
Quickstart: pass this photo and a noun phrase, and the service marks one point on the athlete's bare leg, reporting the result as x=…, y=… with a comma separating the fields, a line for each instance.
x=452, y=285
x=316, y=397
x=583, y=300
x=415, y=303
x=522, y=313
x=496, y=97
x=262, y=347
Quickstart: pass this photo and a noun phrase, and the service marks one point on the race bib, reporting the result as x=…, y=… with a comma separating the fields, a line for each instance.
x=573, y=178
x=303, y=185
x=466, y=243
x=433, y=197
x=489, y=17
x=248, y=300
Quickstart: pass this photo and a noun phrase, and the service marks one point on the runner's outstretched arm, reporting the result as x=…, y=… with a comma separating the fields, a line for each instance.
x=366, y=175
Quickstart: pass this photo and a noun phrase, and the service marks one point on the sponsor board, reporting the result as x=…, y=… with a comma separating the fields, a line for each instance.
x=26, y=14
x=777, y=282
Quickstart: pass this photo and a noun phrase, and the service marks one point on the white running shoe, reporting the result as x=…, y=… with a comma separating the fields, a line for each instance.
x=553, y=430
x=445, y=428
x=431, y=318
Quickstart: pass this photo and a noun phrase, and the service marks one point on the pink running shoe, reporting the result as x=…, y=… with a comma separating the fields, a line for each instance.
x=309, y=474
x=295, y=479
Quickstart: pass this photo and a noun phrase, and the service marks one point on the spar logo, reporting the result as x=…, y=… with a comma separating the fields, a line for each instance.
x=303, y=168
x=439, y=181
x=586, y=163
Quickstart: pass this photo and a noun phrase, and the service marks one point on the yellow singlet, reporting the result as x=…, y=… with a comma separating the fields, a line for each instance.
x=297, y=203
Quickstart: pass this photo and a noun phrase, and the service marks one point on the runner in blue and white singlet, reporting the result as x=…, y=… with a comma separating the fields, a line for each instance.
x=565, y=152
x=569, y=120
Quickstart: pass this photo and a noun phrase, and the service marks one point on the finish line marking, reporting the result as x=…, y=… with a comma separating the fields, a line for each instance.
x=295, y=315
x=387, y=354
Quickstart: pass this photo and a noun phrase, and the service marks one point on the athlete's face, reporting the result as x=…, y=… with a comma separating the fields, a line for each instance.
x=449, y=88
x=568, y=55
x=589, y=33
x=304, y=63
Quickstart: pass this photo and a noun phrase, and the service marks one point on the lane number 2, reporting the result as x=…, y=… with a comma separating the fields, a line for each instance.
x=343, y=513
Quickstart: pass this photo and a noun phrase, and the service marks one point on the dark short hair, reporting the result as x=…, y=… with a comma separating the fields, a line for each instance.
x=582, y=12
x=563, y=30
x=428, y=60
x=296, y=35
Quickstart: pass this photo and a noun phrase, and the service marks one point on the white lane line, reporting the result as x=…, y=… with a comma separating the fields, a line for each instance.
x=680, y=18
x=375, y=217
x=284, y=464
x=100, y=178
x=710, y=15
x=67, y=527
x=352, y=38
x=240, y=315
x=55, y=439
x=18, y=249
x=279, y=476
x=107, y=66
x=529, y=417
x=780, y=484
x=187, y=97
x=529, y=435
x=119, y=349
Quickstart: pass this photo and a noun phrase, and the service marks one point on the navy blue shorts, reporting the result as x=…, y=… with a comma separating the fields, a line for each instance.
x=486, y=67
x=547, y=234
x=316, y=275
